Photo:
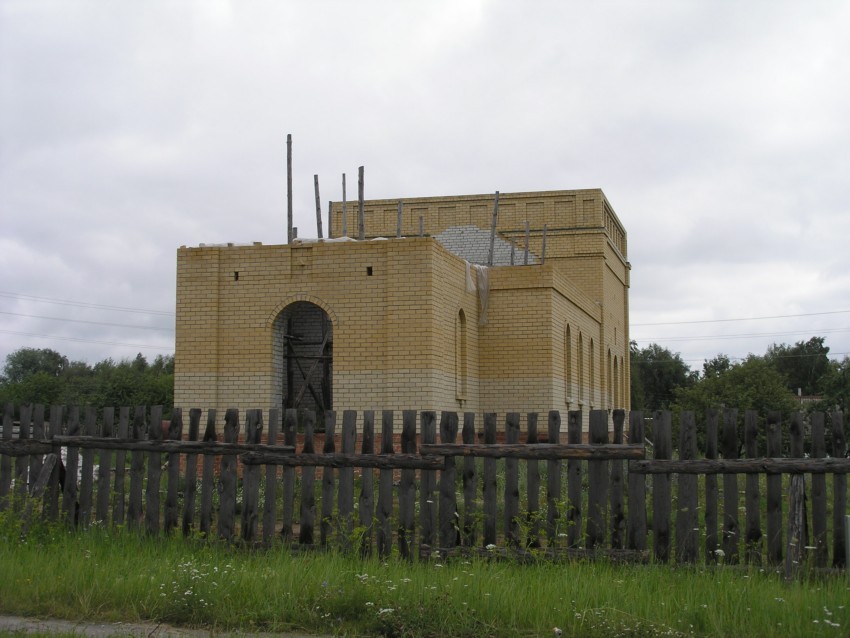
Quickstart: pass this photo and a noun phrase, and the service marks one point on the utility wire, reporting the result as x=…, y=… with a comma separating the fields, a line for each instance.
x=96, y=323
x=680, y=323
x=80, y=339
x=81, y=304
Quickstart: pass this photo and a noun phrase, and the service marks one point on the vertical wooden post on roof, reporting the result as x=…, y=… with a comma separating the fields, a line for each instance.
x=774, y=490
x=154, y=473
x=270, y=505
x=104, y=469
x=421, y=226
x=344, y=209
x=636, y=530
x=661, y=493
x=527, y=237
x=407, y=488
x=318, y=207
x=308, y=480
x=618, y=517
x=731, y=527
x=493, y=229
x=361, y=214
x=752, y=500
x=330, y=219
x=208, y=476
x=686, y=510
x=175, y=433
x=819, y=502
x=575, y=491
x=191, y=477
x=399, y=218
x=543, y=249
x=839, y=494
x=328, y=482
x=366, y=498
x=513, y=252
x=512, y=483
x=449, y=535
x=289, y=233
x=470, y=483
x=597, y=474
x=553, y=480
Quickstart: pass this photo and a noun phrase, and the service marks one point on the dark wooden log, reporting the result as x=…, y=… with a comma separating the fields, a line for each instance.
x=290, y=429
x=251, y=479
x=5, y=460
x=553, y=482
x=328, y=481
x=774, y=490
x=346, y=478
x=308, y=479
x=172, y=512
x=489, y=488
x=384, y=511
x=152, y=500
x=712, y=540
x=87, y=470
x=541, y=451
x=104, y=469
x=512, y=531
x=53, y=488
x=768, y=466
x=839, y=494
x=407, y=489
x=731, y=527
x=270, y=502
x=119, y=502
x=618, y=516
x=227, y=494
x=574, y=487
x=661, y=494
x=448, y=516
x=366, y=499
x=686, y=510
x=752, y=498
x=428, y=483
x=339, y=460
x=208, y=478
x=190, y=480
x=532, y=514
x=636, y=529
x=819, y=502
x=470, y=484
x=598, y=478
x=795, y=554
x=70, y=495
x=135, y=511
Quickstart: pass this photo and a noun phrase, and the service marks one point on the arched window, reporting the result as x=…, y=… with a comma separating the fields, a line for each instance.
x=591, y=384
x=609, y=388
x=568, y=363
x=617, y=383
x=580, y=380
x=461, y=372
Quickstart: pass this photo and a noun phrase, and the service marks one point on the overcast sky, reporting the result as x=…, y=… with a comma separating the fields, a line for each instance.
x=719, y=132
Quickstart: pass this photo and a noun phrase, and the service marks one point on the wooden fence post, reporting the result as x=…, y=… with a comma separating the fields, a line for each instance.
x=346, y=479
x=597, y=474
x=70, y=495
x=774, y=490
x=731, y=528
x=152, y=501
x=618, y=517
x=251, y=478
x=104, y=469
x=227, y=497
x=39, y=435
x=553, y=481
x=489, y=489
x=308, y=480
x=428, y=483
x=636, y=529
x=512, y=483
x=208, y=480
x=574, y=488
x=22, y=463
x=270, y=504
x=661, y=494
x=52, y=495
x=135, y=512
x=533, y=485
x=6, y=461
x=366, y=500
x=752, y=500
x=118, y=502
x=686, y=512
x=839, y=494
x=87, y=470
x=470, y=483
x=191, y=477
x=290, y=437
x=407, y=488
x=819, y=503
x=384, y=512
x=175, y=433
x=328, y=480
x=448, y=516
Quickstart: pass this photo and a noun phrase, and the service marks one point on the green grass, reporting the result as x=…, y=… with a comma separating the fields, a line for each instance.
x=120, y=576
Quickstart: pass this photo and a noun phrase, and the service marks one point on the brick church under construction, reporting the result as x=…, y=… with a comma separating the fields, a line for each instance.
x=433, y=319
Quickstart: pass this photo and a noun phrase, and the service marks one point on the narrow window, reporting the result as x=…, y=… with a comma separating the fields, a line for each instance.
x=568, y=364
x=460, y=356
x=580, y=379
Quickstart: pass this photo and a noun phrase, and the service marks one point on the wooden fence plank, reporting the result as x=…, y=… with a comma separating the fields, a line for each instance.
x=37, y=434
x=532, y=516
x=366, y=498
x=175, y=433
x=70, y=502
x=752, y=498
x=618, y=517
x=774, y=491
x=119, y=500
x=328, y=481
x=190, y=488
x=270, y=503
x=598, y=478
x=574, y=487
x=152, y=500
x=712, y=544
x=104, y=469
x=661, y=494
x=208, y=479
x=6, y=461
x=731, y=527
x=54, y=428
x=448, y=515
x=686, y=510
x=553, y=482
x=428, y=486
x=470, y=484
x=489, y=489
x=135, y=511
x=251, y=479
x=308, y=479
x=22, y=463
x=798, y=529
x=407, y=489
x=636, y=529
x=385, y=489
x=227, y=495
x=87, y=469
x=819, y=503
x=512, y=531
x=839, y=493
x=346, y=478
x=290, y=429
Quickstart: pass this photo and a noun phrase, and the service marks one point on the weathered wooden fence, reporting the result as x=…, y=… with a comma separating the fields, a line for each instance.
x=531, y=494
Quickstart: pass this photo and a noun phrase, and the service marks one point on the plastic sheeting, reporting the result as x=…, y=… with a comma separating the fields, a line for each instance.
x=483, y=293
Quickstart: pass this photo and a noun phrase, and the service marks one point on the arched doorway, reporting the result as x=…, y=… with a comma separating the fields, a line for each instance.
x=303, y=357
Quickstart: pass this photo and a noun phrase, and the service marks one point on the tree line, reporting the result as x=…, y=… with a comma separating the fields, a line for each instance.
x=42, y=375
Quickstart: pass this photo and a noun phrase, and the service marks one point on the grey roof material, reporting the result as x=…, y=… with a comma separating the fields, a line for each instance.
x=473, y=244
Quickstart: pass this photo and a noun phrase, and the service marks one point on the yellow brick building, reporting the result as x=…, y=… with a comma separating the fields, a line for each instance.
x=415, y=322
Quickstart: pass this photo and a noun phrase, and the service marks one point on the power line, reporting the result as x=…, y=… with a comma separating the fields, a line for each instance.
x=80, y=339
x=96, y=323
x=680, y=323
x=741, y=335
x=82, y=304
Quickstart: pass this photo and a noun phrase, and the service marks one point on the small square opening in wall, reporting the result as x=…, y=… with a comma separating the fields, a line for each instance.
x=368, y=271
x=235, y=275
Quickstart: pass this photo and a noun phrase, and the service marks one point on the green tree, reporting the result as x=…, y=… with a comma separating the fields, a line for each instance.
x=656, y=374
x=803, y=365
x=25, y=362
